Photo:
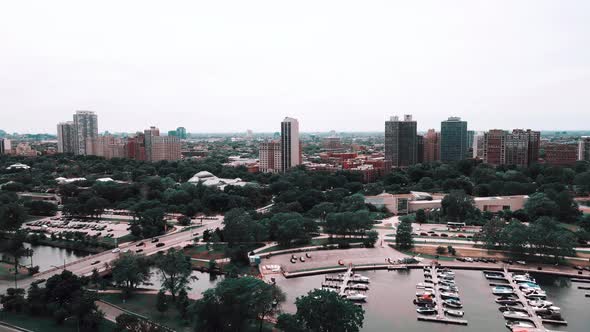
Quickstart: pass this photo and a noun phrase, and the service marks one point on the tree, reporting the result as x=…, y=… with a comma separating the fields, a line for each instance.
x=235, y=303
x=41, y=208
x=161, y=302
x=130, y=271
x=371, y=238
x=457, y=206
x=289, y=323
x=451, y=250
x=403, y=235
x=441, y=250
x=13, y=300
x=175, y=271
x=325, y=311
x=132, y=323
x=491, y=233
x=182, y=303
x=539, y=205
x=420, y=216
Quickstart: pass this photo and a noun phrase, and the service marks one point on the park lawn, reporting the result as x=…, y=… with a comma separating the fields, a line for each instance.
x=145, y=305
x=213, y=251
x=46, y=324
x=313, y=242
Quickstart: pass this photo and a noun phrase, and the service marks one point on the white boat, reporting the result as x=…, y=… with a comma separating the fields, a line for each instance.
x=356, y=296
x=456, y=313
x=515, y=314
x=547, y=307
x=517, y=324
x=360, y=286
x=359, y=278
x=501, y=290
x=539, y=303
x=523, y=278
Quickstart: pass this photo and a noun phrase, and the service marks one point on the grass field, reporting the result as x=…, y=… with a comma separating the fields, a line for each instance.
x=45, y=324
x=313, y=242
x=212, y=251
x=6, y=272
x=145, y=305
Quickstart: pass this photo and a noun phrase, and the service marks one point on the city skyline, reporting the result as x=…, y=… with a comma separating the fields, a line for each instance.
x=210, y=69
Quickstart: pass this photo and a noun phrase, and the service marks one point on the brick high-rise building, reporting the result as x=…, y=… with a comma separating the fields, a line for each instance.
x=290, y=145
x=453, y=140
x=165, y=148
x=431, y=146
x=135, y=147
x=517, y=148
x=584, y=148
x=269, y=157
x=106, y=146
x=86, y=127
x=66, y=136
x=534, y=146
x=401, y=141
x=5, y=146
x=561, y=154
x=494, y=147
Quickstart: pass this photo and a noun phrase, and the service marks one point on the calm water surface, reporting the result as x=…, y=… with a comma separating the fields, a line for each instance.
x=389, y=306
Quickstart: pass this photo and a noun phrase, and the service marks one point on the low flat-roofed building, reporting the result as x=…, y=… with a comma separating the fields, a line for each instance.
x=414, y=201
x=46, y=197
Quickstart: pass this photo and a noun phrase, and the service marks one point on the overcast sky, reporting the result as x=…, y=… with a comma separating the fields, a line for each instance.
x=226, y=66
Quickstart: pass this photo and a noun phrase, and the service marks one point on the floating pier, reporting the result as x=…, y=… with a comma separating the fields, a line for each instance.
x=440, y=313
x=536, y=320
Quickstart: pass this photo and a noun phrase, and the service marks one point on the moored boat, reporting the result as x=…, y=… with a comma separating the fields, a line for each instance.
x=456, y=313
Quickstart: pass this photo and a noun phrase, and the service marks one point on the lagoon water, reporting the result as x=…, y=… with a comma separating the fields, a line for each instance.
x=389, y=306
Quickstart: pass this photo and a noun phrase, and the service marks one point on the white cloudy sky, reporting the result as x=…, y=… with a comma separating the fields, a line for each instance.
x=220, y=66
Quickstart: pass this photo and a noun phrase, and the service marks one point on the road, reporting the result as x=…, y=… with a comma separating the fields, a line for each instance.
x=85, y=266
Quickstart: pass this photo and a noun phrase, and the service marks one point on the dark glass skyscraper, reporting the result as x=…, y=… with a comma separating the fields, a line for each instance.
x=401, y=141
x=453, y=136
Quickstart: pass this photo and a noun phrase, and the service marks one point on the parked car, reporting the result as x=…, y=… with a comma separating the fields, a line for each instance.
x=139, y=244
x=161, y=244
x=95, y=262
x=139, y=250
x=155, y=240
x=116, y=250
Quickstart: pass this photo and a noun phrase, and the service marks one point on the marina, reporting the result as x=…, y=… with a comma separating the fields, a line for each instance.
x=437, y=303
x=524, y=302
x=348, y=285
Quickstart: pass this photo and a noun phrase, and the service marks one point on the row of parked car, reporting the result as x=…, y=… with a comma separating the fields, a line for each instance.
x=434, y=234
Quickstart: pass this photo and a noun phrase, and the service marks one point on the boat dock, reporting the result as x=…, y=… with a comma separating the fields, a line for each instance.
x=536, y=320
x=440, y=313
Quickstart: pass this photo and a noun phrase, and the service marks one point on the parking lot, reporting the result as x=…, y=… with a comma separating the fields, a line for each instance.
x=92, y=227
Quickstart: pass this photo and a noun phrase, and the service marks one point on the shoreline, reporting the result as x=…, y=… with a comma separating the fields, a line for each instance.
x=297, y=274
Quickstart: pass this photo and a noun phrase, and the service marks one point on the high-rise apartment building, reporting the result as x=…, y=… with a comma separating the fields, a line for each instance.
x=86, y=127
x=520, y=147
x=158, y=147
x=419, y=148
x=453, y=140
x=478, y=143
x=534, y=146
x=494, y=147
x=584, y=148
x=135, y=147
x=165, y=148
x=561, y=154
x=290, y=146
x=106, y=146
x=66, y=137
x=431, y=146
x=5, y=146
x=269, y=157
x=401, y=141
x=516, y=148
x=148, y=134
